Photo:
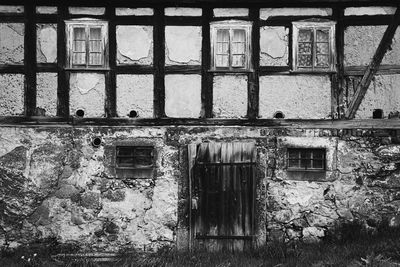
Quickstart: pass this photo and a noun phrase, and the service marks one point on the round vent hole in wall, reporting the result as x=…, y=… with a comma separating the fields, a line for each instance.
x=279, y=115
x=133, y=114
x=96, y=141
x=80, y=113
x=377, y=114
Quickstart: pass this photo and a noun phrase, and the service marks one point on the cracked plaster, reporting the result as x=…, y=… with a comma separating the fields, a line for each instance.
x=46, y=43
x=47, y=93
x=265, y=13
x=183, y=45
x=11, y=43
x=122, y=11
x=274, y=46
x=135, y=45
x=11, y=94
x=87, y=92
x=183, y=11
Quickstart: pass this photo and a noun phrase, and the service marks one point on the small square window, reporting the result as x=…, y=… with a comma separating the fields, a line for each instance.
x=230, y=45
x=86, y=43
x=134, y=161
x=305, y=159
x=313, y=45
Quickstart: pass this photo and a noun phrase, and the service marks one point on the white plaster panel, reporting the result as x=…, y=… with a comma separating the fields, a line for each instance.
x=183, y=11
x=87, y=92
x=47, y=93
x=383, y=93
x=11, y=94
x=46, y=45
x=230, y=96
x=274, y=46
x=123, y=11
x=135, y=45
x=265, y=13
x=46, y=10
x=231, y=12
x=183, y=45
x=11, y=9
x=87, y=10
x=183, y=96
x=361, y=42
x=135, y=92
x=372, y=10
x=297, y=96
x=11, y=43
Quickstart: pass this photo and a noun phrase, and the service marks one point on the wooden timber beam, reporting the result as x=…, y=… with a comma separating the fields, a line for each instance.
x=373, y=67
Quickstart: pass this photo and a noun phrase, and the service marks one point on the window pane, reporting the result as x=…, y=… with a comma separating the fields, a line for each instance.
x=79, y=46
x=305, y=48
x=223, y=36
x=322, y=36
x=237, y=60
x=318, y=154
x=318, y=164
x=294, y=163
x=305, y=36
x=239, y=36
x=305, y=61
x=95, y=59
x=322, y=61
x=95, y=34
x=323, y=48
x=222, y=61
x=125, y=162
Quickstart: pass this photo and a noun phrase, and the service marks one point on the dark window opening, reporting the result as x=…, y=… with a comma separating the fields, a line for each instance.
x=306, y=159
x=377, y=114
x=134, y=157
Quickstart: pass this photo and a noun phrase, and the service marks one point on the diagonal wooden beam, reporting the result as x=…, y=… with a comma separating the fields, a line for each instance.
x=371, y=70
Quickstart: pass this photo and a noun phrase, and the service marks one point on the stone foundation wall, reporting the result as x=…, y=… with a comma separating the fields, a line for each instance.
x=55, y=183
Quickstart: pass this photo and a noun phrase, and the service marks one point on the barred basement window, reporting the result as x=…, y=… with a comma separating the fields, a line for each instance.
x=305, y=159
x=314, y=45
x=86, y=43
x=230, y=45
x=134, y=161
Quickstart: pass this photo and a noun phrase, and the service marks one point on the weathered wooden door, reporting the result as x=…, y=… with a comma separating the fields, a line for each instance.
x=222, y=195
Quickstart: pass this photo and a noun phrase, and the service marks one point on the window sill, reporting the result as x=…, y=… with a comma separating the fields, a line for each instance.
x=306, y=171
x=87, y=69
x=322, y=72
x=228, y=71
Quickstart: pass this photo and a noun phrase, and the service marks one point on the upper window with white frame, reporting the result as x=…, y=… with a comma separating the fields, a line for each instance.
x=314, y=45
x=230, y=45
x=87, y=43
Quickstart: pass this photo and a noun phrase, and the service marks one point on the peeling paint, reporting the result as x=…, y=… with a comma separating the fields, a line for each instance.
x=135, y=45
x=11, y=94
x=183, y=11
x=87, y=10
x=302, y=96
x=135, y=92
x=274, y=46
x=11, y=43
x=11, y=9
x=265, y=13
x=46, y=10
x=183, y=96
x=47, y=93
x=183, y=45
x=231, y=12
x=371, y=11
x=46, y=43
x=87, y=92
x=230, y=96
x=122, y=11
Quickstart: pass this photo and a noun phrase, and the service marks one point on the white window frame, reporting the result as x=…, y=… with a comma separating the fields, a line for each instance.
x=86, y=23
x=231, y=25
x=314, y=25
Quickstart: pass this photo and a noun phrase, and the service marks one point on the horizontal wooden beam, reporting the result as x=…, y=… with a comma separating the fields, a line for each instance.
x=268, y=123
x=382, y=70
x=371, y=70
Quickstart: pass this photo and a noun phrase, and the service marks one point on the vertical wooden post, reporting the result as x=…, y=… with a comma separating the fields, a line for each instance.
x=110, y=76
x=30, y=59
x=206, y=76
x=253, y=77
x=338, y=78
x=63, y=76
x=159, y=62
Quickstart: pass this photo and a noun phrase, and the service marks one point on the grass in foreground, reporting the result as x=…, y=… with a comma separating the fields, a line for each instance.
x=378, y=251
